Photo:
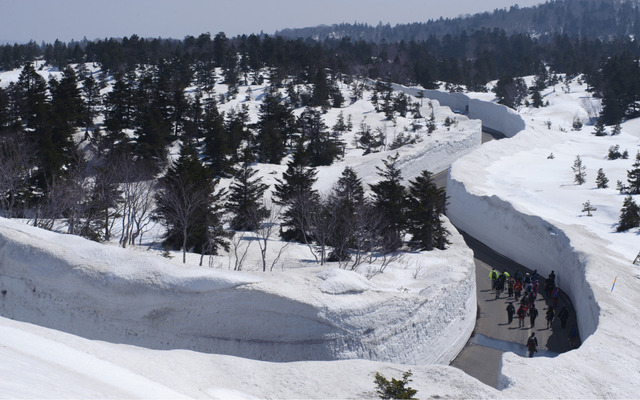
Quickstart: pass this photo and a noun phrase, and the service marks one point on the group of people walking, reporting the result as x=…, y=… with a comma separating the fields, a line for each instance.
x=525, y=290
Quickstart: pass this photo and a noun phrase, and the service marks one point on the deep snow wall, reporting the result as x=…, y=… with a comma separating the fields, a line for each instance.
x=107, y=293
x=494, y=116
x=528, y=240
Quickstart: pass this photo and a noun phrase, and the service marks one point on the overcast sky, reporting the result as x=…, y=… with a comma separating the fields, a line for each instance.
x=23, y=20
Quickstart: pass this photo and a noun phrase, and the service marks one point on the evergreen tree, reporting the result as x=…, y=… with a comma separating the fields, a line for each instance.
x=616, y=130
x=92, y=100
x=245, y=198
x=390, y=204
x=614, y=152
x=295, y=192
x=345, y=201
x=600, y=129
x=189, y=207
x=217, y=146
x=633, y=176
x=536, y=99
x=274, y=127
x=602, y=182
x=425, y=206
x=32, y=98
x=579, y=171
x=629, y=215
x=322, y=149
x=588, y=208
x=510, y=91
x=394, y=389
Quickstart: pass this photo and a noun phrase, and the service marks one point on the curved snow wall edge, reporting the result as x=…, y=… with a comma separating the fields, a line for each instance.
x=493, y=116
x=49, y=285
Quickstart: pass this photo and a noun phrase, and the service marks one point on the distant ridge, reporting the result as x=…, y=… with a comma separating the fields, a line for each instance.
x=603, y=19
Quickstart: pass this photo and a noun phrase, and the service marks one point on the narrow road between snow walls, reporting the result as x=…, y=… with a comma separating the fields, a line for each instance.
x=493, y=334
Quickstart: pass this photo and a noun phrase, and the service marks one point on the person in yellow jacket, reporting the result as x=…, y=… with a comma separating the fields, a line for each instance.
x=493, y=276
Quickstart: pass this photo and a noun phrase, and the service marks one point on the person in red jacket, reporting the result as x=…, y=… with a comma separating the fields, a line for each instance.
x=522, y=312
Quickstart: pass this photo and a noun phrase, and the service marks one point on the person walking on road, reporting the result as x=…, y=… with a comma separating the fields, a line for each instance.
x=493, y=276
x=563, y=315
x=533, y=314
x=555, y=296
x=510, y=311
x=517, y=289
x=532, y=344
x=510, y=284
x=574, y=339
x=522, y=312
x=551, y=313
x=499, y=285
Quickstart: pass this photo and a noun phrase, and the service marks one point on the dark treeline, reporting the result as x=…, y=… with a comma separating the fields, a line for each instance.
x=602, y=19
x=470, y=59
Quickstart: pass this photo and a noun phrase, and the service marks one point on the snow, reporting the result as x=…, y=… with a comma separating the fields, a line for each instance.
x=87, y=320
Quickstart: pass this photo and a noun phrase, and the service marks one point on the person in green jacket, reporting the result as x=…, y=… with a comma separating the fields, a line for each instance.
x=493, y=276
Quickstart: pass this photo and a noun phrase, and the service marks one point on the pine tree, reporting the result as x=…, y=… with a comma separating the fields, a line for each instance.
x=245, y=198
x=602, y=182
x=616, y=130
x=629, y=215
x=579, y=171
x=394, y=389
x=321, y=146
x=217, y=146
x=536, y=99
x=295, y=192
x=600, y=129
x=389, y=202
x=588, y=208
x=275, y=127
x=425, y=206
x=189, y=207
x=345, y=201
x=633, y=176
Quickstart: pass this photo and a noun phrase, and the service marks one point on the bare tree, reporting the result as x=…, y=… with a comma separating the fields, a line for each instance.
x=265, y=231
x=239, y=249
x=14, y=170
x=323, y=223
x=181, y=203
x=137, y=200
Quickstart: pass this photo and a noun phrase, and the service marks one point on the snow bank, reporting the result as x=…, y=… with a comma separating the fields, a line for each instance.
x=584, y=262
x=494, y=116
x=121, y=296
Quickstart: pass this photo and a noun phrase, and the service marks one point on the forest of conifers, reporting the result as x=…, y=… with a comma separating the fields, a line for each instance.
x=47, y=175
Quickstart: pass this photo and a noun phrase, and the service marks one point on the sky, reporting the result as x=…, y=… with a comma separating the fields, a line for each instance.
x=66, y=20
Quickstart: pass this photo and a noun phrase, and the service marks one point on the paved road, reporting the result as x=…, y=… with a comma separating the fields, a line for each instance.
x=492, y=335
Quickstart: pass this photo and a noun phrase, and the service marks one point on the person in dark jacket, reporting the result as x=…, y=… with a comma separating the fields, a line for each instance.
x=563, y=316
x=550, y=316
x=532, y=344
x=533, y=314
x=522, y=312
x=510, y=311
